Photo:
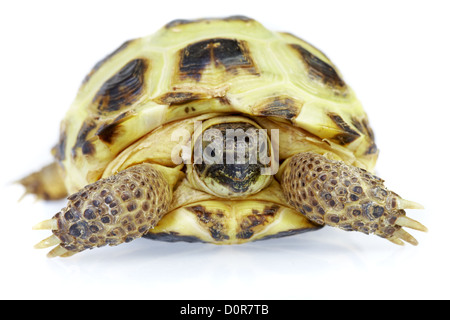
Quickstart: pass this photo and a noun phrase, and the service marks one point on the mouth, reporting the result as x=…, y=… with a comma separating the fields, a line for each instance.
x=238, y=178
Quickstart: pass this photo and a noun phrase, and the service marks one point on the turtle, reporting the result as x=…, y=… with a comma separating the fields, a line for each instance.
x=214, y=130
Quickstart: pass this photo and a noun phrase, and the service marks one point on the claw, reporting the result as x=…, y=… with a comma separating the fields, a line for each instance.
x=50, y=224
x=58, y=251
x=405, y=221
x=407, y=204
x=48, y=242
x=405, y=236
x=396, y=241
x=68, y=254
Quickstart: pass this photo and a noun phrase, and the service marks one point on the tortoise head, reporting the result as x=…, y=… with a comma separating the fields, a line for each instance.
x=232, y=157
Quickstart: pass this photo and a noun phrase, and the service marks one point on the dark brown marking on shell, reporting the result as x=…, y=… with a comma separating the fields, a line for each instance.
x=246, y=228
x=108, y=132
x=282, y=107
x=346, y=137
x=123, y=88
x=224, y=100
x=372, y=149
x=82, y=142
x=231, y=53
x=88, y=148
x=212, y=221
x=364, y=127
x=99, y=64
x=271, y=211
x=194, y=58
x=178, y=22
x=171, y=236
x=59, y=150
x=319, y=69
x=177, y=98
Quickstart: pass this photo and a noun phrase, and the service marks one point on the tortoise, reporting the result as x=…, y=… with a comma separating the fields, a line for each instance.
x=219, y=131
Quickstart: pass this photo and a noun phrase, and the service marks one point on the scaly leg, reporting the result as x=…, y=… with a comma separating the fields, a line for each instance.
x=350, y=198
x=110, y=211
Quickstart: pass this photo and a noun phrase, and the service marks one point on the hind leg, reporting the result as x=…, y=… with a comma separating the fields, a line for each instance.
x=46, y=184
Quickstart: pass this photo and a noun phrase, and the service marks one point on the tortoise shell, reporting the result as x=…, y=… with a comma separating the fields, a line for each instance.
x=192, y=68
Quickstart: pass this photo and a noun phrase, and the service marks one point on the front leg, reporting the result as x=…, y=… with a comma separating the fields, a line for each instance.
x=350, y=198
x=110, y=211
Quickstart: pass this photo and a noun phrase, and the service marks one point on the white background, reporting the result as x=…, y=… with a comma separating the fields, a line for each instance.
x=395, y=55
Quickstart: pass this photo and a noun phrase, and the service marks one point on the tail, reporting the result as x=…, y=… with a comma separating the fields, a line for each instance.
x=46, y=184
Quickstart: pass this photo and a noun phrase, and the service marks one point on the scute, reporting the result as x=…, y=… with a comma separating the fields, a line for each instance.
x=321, y=71
x=230, y=222
x=189, y=68
x=123, y=88
x=230, y=54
